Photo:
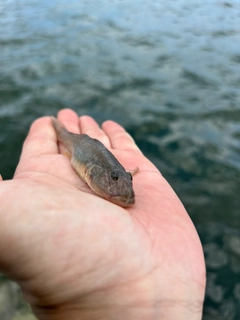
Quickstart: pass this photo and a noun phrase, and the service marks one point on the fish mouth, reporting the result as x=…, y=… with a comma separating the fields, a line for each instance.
x=122, y=201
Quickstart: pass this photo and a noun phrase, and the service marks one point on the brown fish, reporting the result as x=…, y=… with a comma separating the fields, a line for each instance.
x=97, y=166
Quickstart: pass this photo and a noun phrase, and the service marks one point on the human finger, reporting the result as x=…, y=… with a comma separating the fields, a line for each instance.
x=69, y=118
x=119, y=138
x=89, y=126
x=41, y=139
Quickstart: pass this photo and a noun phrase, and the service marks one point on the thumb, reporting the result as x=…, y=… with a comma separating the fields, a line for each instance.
x=1, y=179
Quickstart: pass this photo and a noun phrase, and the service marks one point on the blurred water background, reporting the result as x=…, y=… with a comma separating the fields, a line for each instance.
x=169, y=72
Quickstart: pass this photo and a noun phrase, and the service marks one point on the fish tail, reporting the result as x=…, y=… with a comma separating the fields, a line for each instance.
x=59, y=128
x=63, y=134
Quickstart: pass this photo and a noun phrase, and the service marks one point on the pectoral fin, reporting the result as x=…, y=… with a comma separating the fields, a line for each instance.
x=133, y=171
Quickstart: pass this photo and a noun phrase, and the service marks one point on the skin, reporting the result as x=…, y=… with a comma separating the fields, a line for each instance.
x=78, y=256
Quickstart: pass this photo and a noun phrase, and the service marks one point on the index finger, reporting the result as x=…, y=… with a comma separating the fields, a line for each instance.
x=41, y=139
x=119, y=138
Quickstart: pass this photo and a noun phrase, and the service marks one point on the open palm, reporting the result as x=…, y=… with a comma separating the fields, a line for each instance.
x=74, y=253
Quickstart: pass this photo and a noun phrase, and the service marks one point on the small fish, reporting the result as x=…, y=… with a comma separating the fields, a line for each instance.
x=97, y=166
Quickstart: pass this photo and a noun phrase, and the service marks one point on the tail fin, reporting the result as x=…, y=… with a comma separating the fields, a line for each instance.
x=63, y=134
x=58, y=126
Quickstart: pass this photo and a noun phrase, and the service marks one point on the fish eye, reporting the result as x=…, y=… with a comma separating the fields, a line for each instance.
x=114, y=175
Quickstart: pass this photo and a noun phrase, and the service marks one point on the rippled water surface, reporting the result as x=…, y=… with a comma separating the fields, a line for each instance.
x=169, y=71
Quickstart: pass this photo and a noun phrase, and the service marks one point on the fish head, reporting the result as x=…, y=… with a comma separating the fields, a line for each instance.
x=113, y=184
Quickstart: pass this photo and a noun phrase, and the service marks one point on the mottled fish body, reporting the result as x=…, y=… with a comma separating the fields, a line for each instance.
x=97, y=166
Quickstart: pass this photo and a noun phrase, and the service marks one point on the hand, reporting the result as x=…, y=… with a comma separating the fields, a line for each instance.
x=78, y=256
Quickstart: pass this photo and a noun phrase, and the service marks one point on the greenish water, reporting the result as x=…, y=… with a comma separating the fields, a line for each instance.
x=169, y=72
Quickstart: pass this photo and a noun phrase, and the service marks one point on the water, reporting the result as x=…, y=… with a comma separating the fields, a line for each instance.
x=168, y=71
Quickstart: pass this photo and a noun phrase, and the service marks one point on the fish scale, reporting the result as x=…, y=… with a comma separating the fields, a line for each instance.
x=97, y=166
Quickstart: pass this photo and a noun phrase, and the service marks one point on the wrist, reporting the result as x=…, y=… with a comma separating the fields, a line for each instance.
x=136, y=302
x=165, y=310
